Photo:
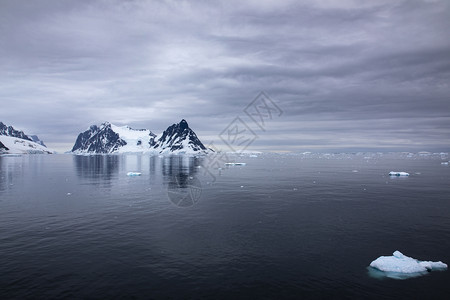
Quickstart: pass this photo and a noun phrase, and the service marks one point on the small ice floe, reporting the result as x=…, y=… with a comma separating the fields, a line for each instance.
x=253, y=155
x=392, y=173
x=444, y=163
x=68, y=194
x=355, y=171
x=235, y=164
x=134, y=174
x=399, y=266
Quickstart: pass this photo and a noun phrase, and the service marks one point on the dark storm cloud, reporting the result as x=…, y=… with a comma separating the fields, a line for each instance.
x=347, y=74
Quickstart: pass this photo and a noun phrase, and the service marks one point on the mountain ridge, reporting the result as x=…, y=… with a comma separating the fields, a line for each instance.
x=108, y=138
x=10, y=131
x=13, y=141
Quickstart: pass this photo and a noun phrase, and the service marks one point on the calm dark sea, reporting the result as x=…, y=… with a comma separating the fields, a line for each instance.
x=281, y=227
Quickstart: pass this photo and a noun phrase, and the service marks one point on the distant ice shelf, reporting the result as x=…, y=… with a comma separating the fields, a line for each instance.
x=392, y=173
x=400, y=266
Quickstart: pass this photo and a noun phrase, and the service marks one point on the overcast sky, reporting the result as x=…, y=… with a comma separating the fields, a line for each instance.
x=347, y=75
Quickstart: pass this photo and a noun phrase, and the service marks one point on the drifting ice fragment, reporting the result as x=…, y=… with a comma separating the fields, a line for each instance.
x=400, y=266
x=235, y=164
x=392, y=173
x=444, y=163
x=133, y=174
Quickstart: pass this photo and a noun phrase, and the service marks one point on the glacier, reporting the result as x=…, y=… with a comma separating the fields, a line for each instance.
x=400, y=266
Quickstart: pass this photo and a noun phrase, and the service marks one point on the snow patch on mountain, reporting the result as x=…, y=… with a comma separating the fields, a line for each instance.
x=137, y=140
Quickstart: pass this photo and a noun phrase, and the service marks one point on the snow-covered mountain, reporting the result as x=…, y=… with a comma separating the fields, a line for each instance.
x=179, y=138
x=14, y=145
x=108, y=138
x=14, y=141
x=98, y=139
x=10, y=131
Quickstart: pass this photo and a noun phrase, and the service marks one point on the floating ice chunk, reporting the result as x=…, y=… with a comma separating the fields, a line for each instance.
x=444, y=163
x=235, y=164
x=392, y=173
x=253, y=155
x=401, y=266
x=133, y=174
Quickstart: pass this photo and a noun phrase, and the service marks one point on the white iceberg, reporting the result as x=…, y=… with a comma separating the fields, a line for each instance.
x=133, y=174
x=400, y=266
x=392, y=173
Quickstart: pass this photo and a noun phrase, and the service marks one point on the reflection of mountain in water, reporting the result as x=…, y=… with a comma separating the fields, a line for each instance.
x=181, y=167
x=102, y=167
x=183, y=187
x=3, y=178
x=10, y=170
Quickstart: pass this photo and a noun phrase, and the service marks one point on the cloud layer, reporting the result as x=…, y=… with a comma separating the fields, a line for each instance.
x=347, y=75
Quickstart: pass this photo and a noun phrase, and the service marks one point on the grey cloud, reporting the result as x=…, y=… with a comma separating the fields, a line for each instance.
x=352, y=71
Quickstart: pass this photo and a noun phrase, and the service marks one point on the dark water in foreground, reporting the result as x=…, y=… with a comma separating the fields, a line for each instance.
x=281, y=227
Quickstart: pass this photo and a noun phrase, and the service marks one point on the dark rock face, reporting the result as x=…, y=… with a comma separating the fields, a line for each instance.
x=3, y=147
x=179, y=137
x=10, y=131
x=98, y=140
